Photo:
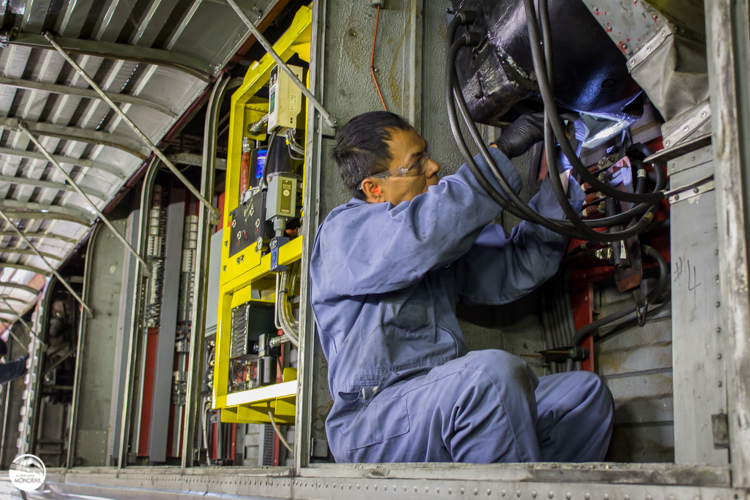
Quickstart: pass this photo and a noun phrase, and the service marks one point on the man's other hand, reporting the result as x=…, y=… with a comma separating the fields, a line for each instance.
x=522, y=134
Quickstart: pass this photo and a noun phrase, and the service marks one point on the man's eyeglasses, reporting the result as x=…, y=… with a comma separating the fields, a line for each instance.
x=414, y=170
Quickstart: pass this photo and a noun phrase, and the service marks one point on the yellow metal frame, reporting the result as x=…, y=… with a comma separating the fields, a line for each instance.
x=247, y=271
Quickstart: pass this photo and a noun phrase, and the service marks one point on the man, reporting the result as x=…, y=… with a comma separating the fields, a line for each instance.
x=387, y=271
x=13, y=369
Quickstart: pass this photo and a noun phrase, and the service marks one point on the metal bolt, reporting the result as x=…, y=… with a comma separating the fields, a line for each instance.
x=718, y=356
x=568, y=495
x=394, y=488
x=667, y=143
x=696, y=190
x=704, y=114
x=716, y=278
x=476, y=491
x=718, y=329
x=686, y=128
x=720, y=384
x=718, y=303
x=437, y=489
x=533, y=493
x=626, y=497
x=649, y=497
x=489, y=491
x=587, y=495
x=226, y=243
x=551, y=494
x=606, y=496
x=224, y=268
x=716, y=252
x=676, y=197
x=518, y=493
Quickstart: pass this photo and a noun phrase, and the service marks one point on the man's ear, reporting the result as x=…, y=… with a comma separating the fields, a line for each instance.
x=373, y=193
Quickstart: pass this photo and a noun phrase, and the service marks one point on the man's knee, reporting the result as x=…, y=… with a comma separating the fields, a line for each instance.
x=595, y=391
x=502, y=368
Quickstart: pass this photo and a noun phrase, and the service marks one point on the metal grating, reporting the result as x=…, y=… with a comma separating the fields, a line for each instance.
x=156, y=57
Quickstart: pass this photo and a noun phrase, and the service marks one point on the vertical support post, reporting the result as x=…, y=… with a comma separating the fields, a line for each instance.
x=313, y=153
x=193, y=410
x=78, y=190
x=39, y=254
x=728, y=39
x=214, y=211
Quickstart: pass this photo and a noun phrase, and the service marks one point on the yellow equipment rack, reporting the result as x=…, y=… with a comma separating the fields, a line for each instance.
x=247, y=271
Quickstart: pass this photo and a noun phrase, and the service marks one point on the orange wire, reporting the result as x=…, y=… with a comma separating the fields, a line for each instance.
x=372, y=59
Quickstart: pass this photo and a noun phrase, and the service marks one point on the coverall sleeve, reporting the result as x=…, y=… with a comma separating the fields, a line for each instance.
x=385, y=248
x=502, y=267
x=12, y=369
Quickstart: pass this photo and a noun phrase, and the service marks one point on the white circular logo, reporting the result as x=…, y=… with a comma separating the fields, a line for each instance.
x=27, y=472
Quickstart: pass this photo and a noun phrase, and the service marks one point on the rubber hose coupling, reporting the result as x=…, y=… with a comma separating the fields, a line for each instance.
x=466, y=17
x=472, y=38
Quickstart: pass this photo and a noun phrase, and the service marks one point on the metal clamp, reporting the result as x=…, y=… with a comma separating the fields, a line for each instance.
x=691, y=190
x=650, y=47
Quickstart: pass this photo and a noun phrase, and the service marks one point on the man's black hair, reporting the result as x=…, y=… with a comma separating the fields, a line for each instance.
x=3, y=348
x=361, y=147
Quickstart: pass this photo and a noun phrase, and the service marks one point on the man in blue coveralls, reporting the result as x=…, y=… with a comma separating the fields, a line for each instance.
x=387, y=271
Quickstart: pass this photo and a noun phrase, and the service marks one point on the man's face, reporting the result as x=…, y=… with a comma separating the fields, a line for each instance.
x=406, y=147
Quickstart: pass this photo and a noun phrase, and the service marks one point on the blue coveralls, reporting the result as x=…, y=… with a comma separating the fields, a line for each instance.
x=385, y=284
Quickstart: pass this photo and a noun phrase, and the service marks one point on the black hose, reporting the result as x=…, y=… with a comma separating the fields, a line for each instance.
x=556, y=122
x=651, y=297
x=516, y=206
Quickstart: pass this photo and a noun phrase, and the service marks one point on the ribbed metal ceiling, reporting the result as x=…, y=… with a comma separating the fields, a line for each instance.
x=156, y=56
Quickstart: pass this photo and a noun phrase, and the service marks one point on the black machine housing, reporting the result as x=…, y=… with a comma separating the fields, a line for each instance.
x=498, y=80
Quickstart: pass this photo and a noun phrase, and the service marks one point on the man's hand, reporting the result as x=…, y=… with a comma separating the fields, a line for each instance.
x=522, y=134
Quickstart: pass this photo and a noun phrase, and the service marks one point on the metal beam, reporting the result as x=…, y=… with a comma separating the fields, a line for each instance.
x=103, y=218
x=23, y=321
x=41, y=236
x=25, y=251
x=118, y=141
x=43, y=215
x=187, y=64
x=16, y=299
x=330, y=120
x=20, y=83
x=25, y=288
x=214, y=211
x=33, y=155
x=51, y=267
x=25, y=267
x=49, y=185
x=195, y=160
x=42, y=210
